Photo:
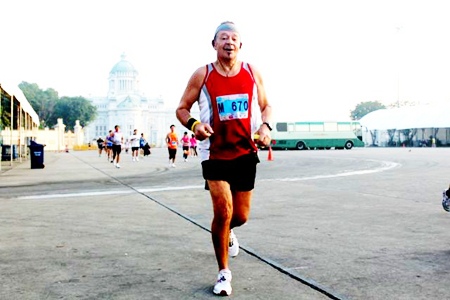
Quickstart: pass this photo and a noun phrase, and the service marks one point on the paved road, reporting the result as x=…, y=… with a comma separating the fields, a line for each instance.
x=359, y=224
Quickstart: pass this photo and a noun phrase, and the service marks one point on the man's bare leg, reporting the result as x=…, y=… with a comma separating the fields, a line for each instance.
x=220, y=228
x=241, y=208
x=230, y=210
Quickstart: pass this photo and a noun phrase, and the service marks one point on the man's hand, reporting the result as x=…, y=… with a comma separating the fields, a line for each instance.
x=202, y=131
x=262, y=136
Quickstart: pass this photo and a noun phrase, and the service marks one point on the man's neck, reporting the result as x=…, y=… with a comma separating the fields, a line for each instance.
x=227, y=66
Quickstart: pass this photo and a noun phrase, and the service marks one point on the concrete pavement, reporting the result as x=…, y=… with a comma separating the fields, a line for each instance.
x=116, y=242
x=359, y=224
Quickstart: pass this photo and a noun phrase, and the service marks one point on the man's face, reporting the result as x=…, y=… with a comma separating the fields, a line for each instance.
x=227, y=43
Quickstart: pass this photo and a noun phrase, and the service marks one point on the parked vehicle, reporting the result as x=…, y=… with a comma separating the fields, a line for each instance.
x=316, y=135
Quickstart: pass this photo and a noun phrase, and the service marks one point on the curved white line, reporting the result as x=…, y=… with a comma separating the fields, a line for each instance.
x=386, y=165
x=107, y=193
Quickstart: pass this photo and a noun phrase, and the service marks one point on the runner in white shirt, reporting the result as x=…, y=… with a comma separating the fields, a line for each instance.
x=117, y=139
x=135, y=145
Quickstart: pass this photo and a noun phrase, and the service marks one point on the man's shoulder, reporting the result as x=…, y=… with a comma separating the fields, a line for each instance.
x=200, y=73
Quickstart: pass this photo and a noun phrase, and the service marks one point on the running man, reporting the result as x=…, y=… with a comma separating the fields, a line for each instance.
x=100, y=145
x=109, y=145
x=229, y=93
x=172, y=145
x=117, y=139
x=446, y=199
x=142, y=143
x=134, y=146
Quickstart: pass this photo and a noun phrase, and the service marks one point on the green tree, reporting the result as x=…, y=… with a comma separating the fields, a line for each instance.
x=43, y=102
x=71, y=109
x=391, y=134
x=364, y=108
x=409, y=135
x=50, y=107
x=5, y=112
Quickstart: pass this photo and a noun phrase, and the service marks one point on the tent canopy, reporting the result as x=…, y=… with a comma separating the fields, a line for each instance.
x=408, y=117
x=17, y=93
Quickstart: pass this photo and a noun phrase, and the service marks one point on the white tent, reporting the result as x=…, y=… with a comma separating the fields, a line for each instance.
x=408, y=117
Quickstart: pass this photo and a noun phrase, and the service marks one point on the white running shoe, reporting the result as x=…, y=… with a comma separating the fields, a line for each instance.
x=137, y=158
x=117, y=166
x=446, y=200
x=173, y=166
x=223, y=283
x=233, y=245
x=134, y=159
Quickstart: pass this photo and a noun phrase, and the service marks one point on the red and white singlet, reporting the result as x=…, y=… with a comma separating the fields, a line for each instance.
x=230, y=106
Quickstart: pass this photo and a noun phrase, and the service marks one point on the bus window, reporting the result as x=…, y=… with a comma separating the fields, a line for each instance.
x=282, y=127
x=302, y=126
x=316, y=127
x=330, y=126
x=344, y=126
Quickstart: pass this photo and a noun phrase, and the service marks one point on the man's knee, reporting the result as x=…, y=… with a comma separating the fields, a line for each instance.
x=241, y=208
x=239, y=219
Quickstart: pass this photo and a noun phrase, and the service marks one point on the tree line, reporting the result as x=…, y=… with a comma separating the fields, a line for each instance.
x=50, y=107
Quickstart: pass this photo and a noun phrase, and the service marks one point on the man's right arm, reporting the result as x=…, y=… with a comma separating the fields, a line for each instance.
x=190, y=96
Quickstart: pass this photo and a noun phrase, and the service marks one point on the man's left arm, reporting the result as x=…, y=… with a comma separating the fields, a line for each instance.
x=266, y=111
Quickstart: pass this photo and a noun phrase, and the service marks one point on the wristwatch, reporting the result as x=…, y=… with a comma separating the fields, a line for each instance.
x=268, y=125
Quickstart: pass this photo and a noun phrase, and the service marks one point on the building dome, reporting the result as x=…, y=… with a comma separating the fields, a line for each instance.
x=123, y=66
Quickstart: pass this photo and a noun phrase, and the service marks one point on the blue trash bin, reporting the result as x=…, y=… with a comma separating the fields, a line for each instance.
x=37, y=155
x=6, y=152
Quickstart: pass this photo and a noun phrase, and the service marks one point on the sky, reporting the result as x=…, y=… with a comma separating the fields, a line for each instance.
x=318, y=59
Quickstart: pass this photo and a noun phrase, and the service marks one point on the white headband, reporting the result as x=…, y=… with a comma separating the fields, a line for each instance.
x=226, y=26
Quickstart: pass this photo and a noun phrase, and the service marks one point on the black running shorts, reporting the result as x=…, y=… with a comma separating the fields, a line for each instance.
x=172, y=153
x=240, y=173
x=116, y=149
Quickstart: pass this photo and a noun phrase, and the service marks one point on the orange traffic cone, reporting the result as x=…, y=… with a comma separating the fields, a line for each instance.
x=270, y=156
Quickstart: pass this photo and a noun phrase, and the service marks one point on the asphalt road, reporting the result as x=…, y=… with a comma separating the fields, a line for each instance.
x=360, y=224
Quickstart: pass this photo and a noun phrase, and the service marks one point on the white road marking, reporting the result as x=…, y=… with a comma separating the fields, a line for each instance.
x=106, y=193
x=386, y=165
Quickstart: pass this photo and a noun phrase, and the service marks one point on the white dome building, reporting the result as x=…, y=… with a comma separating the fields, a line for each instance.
x=127, y=107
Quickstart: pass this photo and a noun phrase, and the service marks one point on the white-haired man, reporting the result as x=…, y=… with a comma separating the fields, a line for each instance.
x=230, y=95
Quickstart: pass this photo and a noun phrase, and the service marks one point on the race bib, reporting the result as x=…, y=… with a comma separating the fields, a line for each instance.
x=232, y=107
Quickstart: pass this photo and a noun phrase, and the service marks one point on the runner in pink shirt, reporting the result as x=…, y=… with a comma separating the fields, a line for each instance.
x=193, y=142
x=185, y=142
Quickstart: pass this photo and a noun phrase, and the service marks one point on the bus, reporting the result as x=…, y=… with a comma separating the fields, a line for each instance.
x=316, y=135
